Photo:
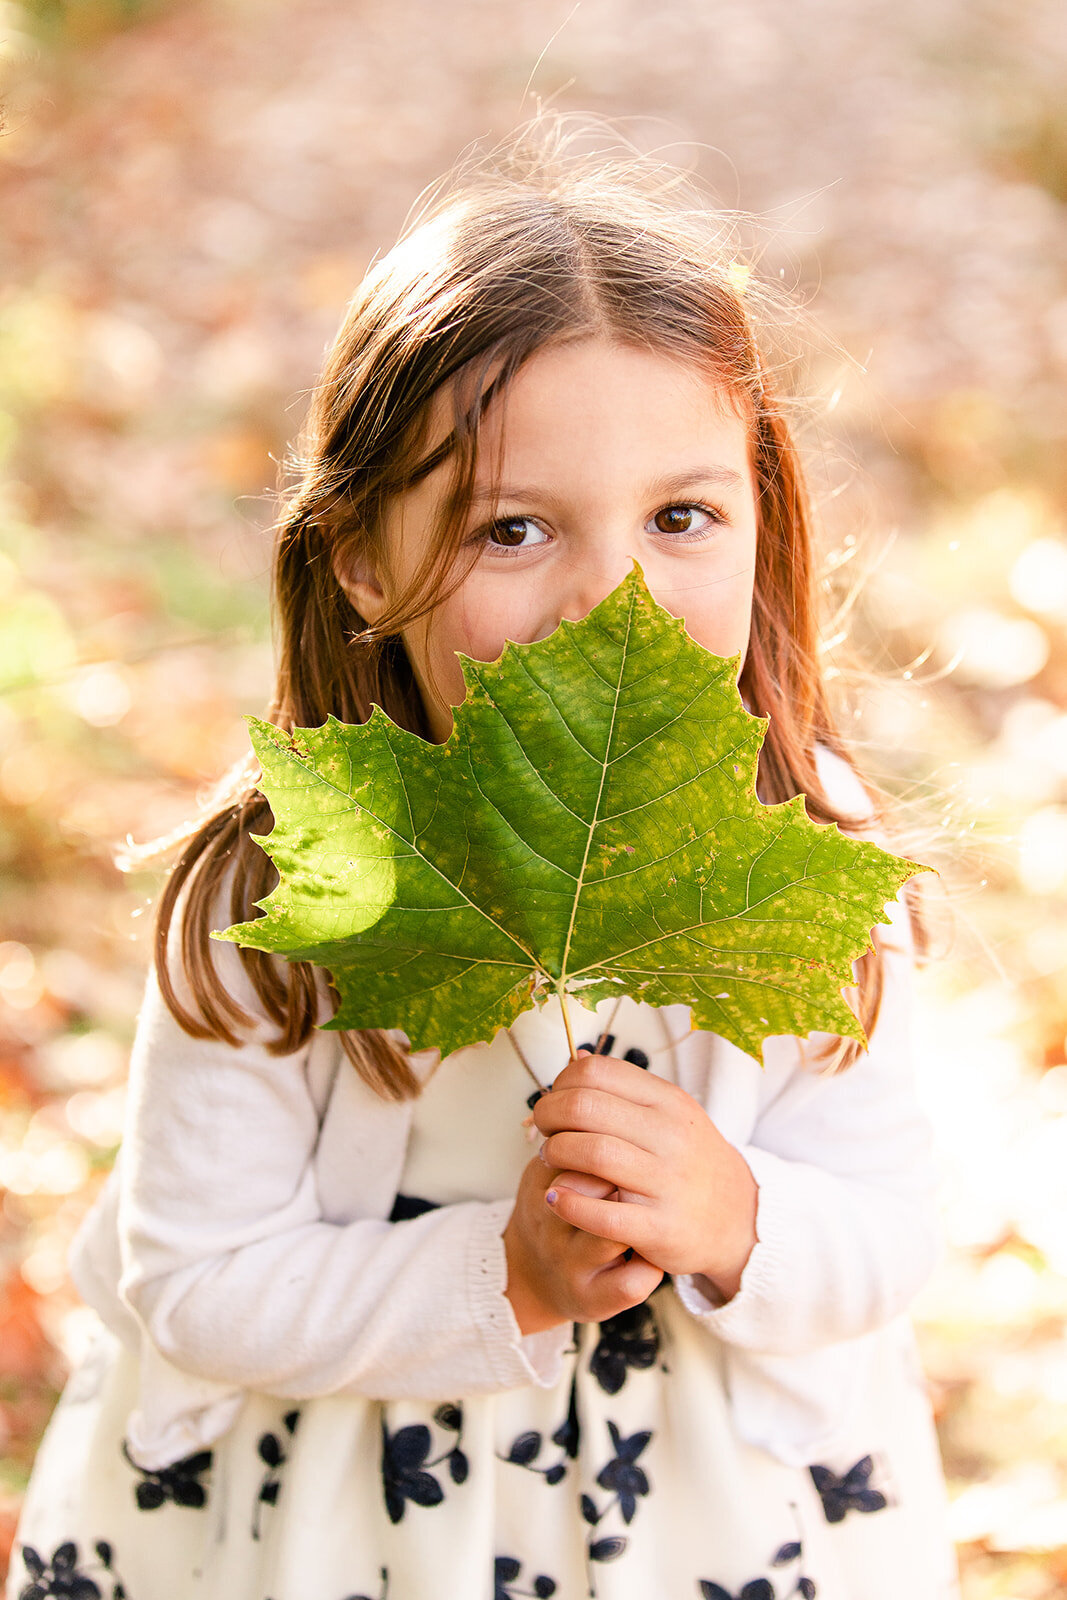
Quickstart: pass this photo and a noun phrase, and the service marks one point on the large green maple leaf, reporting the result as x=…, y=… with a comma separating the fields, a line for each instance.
x=590, y=827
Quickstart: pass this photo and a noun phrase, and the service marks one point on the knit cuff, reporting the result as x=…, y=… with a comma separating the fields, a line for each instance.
x=515, y=1359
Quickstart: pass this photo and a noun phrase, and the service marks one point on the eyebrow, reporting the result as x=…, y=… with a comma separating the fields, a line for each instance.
x=673, y=483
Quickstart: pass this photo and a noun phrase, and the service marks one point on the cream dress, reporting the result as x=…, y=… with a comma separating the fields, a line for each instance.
x=624, y=1481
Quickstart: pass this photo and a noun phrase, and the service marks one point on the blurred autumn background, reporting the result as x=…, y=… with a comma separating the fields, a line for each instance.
x=188, y=195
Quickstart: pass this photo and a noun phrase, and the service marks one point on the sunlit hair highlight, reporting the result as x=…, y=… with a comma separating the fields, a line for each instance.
x=523, y=251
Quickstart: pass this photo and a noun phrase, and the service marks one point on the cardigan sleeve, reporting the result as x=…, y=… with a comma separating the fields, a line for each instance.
x=237, y=1280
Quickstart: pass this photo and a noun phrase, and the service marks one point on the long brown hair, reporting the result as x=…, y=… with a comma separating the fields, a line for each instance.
x=499, y=264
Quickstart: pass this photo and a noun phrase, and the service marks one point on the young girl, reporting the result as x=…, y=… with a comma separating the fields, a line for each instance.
x=359, y=1336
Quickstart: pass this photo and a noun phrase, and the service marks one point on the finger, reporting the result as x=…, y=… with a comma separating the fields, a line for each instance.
x=617, y=1220
x=582, y=1108
x=617, y=1289
x=625, y=1078
x=632, y=1280
x=585, y=1183
x=598, y=1253
x=602, y=1156
x=629, y=1257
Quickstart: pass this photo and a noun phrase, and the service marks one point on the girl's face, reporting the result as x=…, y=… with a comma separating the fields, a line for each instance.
x=607, y=453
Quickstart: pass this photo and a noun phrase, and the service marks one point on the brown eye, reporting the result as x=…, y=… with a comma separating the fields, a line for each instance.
x=686, y=524
x=509, y=531
x=674, y=519
x=509, y=536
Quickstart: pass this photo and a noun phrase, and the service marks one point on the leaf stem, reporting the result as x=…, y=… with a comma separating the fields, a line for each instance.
x=567, y=1024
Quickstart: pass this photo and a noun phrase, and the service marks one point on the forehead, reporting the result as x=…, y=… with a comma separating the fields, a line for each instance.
x=608, y=397
x=593, y=399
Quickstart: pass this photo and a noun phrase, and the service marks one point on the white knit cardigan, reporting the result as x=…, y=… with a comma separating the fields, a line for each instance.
x=242, y=1242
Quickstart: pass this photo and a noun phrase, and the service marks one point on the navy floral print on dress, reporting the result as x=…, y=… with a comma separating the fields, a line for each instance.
x=271, y=1451
x=179, y=1482
x=64, y=1575
x=525, y=1448
x=568, y=1434
x=606, y=1045
x=506, y=1571
x=406, y=1206
x=852, y=1492
x=763, y=1588
x=623, y=1474
x=405, y=1474
x=629, y=1481
x=629, y=1339
x=758, y=1589
x=785, y=1556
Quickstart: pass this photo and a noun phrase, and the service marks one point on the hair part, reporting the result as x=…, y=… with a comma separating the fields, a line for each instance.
x=497, y=267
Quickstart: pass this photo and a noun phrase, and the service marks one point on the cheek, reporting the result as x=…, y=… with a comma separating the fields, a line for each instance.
x=720, y=617
x=481, y=618
x=466, y=624
x=438, y=667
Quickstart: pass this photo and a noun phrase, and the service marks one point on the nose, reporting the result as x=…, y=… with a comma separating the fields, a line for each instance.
x=590, y=577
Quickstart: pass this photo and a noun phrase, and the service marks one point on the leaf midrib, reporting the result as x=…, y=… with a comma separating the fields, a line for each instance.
x=595, y=818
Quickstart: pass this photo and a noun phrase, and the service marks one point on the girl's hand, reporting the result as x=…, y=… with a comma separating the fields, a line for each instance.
x=687, y=1197
x=560, y=1273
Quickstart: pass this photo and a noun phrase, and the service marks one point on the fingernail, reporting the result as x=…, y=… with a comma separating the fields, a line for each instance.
x=552, y=1196
x=542, y=1155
